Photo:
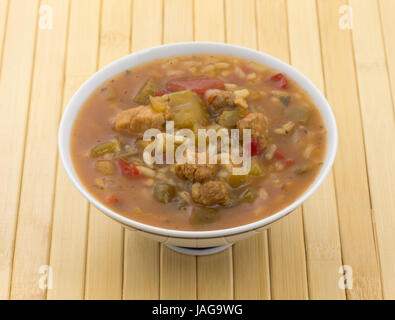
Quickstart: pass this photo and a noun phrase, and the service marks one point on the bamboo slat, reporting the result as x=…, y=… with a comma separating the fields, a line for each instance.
x=379, y=128
x=15, y=83
x=33, y=236
x=69, y=235
x=355, y=223
x=385, y=237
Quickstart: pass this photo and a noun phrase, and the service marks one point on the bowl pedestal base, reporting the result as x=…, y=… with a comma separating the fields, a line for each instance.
x=199, y=251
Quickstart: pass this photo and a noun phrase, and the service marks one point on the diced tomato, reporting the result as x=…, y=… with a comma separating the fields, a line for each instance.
x=279, y=77
x=160, y=92
x=198, y=85
x=255, y=147
x=113, y=199
x=283, y=83
x=278, y=155
x=289, y=162
x=128, y=169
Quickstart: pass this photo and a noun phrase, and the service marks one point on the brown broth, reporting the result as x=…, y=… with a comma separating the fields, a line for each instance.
x=95, y=124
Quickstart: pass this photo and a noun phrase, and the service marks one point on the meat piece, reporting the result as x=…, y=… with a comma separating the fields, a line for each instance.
x=222, y=99
x=123, y=119
x=195, y=172
x=210, y=193
x=258, y=125
x=139, y=119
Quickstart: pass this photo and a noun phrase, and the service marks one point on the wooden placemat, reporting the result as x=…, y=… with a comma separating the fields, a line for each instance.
x=54, y=245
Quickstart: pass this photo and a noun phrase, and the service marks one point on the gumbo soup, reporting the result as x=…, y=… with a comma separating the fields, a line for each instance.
x=287, y=145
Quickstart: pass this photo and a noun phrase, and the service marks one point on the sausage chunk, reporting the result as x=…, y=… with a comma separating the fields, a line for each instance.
x=139, y=119
x=210, y=193
x=258, y=125
x=222, y=99
x=195, y=172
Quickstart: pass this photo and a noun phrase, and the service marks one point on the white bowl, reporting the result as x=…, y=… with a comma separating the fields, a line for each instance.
x=194, y=239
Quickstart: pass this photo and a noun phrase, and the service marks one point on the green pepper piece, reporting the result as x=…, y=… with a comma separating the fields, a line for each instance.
x=203, y=215
x=229, y=118
x=106, y=147
x=126, y=154
x=148, y=89
x=298, y=113
x=187, y=109
x=164, y=192
x=236, y=181
x=256, y=169
x=304, y=169
x=247, y=195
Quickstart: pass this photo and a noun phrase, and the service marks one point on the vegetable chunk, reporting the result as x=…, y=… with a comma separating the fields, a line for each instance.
x=105, y=167
x=107, y=147
x=229, y=118
x=187, y=109
x=150, y=88
x=164, y=192
x=298, y=113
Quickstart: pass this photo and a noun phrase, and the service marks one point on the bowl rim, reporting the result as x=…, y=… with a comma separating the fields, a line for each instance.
x=186, y=48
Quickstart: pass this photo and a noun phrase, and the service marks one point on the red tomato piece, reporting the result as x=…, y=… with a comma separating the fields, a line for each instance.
x=198, y=85
x=128, y=169
x=113, y=199
x=283, y=83
x=289, y=162
x=255, y=147
x=278, y=155
x=159, y=93
x=279, y=77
